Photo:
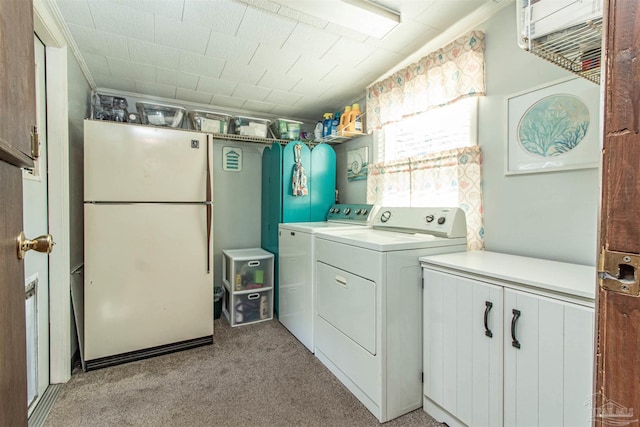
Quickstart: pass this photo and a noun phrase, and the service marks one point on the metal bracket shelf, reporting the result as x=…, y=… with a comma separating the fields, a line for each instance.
x=576, y=49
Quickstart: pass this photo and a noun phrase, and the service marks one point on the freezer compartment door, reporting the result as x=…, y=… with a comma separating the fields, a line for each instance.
x=146, y=279
x=128, y=163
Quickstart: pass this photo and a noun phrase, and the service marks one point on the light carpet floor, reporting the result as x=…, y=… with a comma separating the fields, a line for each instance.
x=255, y=375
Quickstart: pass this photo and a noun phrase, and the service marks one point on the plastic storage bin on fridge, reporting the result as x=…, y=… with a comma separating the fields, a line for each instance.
x=160, y=114
x=209, y=121
x=248, y=281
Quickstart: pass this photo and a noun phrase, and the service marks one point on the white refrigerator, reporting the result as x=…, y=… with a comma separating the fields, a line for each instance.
x=148, y=241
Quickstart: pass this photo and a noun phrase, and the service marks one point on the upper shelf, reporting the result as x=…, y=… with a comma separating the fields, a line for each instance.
x=342, y=136
x=566, y=33
x=576, y=49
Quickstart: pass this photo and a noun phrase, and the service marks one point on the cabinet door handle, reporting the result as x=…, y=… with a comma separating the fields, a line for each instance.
x=516, y=315
x=488, y=307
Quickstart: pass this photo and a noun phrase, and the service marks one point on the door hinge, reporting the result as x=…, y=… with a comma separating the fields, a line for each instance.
x=618, y=272
x=35, y=143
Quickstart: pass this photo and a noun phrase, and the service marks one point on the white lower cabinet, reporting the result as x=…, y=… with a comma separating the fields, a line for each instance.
x=497, y=356
x=462, y=350
x=548, y=361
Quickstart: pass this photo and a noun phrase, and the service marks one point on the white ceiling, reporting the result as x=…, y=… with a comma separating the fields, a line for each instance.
x=252, y=55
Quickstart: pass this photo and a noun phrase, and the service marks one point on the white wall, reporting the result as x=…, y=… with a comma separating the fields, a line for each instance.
x=78, y=90
x=237, y=201
x=351, y=191
x=549, y=215
x=78, y=104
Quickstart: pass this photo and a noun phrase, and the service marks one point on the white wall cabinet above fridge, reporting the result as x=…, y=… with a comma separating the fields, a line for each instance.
x=500, y=352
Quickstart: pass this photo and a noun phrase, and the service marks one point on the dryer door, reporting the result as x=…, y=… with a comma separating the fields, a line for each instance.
x=348, y=302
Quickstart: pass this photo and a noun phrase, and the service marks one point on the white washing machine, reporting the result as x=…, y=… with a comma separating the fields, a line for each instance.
x=368, y=328
x=296, y=297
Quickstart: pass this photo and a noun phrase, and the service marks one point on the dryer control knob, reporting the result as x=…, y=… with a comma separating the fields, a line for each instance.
x=364, y=211
x=441, y=220
x=430, y=218
x=358, y=211
x=385, y=216
x=347, y=211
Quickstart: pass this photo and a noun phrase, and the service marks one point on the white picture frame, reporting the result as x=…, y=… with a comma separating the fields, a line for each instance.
x=553, y=127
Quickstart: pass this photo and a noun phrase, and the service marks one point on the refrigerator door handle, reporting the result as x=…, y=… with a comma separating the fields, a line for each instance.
x=209, y=207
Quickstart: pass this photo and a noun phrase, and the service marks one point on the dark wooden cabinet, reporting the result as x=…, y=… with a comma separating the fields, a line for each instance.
x=17, y=77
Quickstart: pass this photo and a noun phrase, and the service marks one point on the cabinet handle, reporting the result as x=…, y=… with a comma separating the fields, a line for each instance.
x=253, y=263
x=253, y=296
x=488, y=307
x=514, y=341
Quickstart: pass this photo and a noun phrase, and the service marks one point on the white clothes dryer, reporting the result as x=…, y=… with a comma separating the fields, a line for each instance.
x=296, y=299
x=368, y=329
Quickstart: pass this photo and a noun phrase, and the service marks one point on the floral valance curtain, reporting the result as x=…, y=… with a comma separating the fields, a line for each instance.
x=444, y=76
x=448, y=179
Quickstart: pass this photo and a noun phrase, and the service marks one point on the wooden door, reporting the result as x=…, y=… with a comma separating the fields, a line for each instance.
x=617, y=392
x=17, y=117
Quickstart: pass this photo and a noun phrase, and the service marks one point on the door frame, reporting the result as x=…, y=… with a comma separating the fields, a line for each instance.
x=46, y=27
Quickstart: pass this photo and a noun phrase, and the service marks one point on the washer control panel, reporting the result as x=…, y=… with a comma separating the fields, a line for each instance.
x=442, y=222
x=351, y=213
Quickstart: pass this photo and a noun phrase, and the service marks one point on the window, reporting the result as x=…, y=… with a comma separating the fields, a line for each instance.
x=439, y=129
x=425, y=116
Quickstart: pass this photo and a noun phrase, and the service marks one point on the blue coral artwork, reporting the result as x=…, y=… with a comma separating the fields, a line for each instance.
x=553, y=128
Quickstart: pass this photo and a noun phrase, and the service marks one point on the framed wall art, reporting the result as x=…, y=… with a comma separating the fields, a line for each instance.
x=357, y=164
x=553, y=127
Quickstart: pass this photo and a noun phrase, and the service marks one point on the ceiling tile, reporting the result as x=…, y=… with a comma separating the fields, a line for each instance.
x=224, y=46
x=265, y=28
x=346, y=32
x=122, y=20
x=290, y=13
x=216, y=86
x=347, y=51
x=254, y=93
x=308, y=86
x=193, y=96
x=96, y=63
x=441, y=15
x=310, y=68
x=310, y=41
x=282, y=82
x=267, y=5
x=241, y=73
x=258, y=106
x=227, y=101
x=173, y=33
x=200, y=64
x=154, y=54
x=177, y=78
x=223, y=16
x=76, y=12
x=156, y=89
x=167, y=8
x=276, y=60
x=405, y=39
x=131, y=70
x=104, y=80
x=99, y=43
x=282, y=98
x=285, y=111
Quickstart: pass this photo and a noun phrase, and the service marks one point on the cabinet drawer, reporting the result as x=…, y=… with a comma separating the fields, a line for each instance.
x=247, y=269
x=248, y=307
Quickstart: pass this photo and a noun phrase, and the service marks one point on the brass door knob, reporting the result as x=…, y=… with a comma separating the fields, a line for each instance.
x=40, y=244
